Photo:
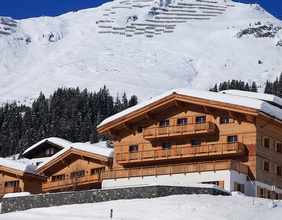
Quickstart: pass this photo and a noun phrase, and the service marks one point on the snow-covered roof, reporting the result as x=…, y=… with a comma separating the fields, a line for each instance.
x=96, y=148
x=55, y=140
x=264, y=97
x=16, y=165
x=250, y=100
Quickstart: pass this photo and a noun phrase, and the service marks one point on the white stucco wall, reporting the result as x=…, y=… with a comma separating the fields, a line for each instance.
x=191, y=178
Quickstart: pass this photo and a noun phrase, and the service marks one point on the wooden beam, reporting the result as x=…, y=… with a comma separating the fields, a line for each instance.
x=64, y=161
x=127, y=126
x=250, y=118
x=149, y=116
x=179, y=104
x=209, y=109
x=113, y=132
x=233, y=114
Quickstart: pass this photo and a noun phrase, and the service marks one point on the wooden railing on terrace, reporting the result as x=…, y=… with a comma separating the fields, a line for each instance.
x=176, y=130
x=70, y=182
x=176, y=169
x=235, y=148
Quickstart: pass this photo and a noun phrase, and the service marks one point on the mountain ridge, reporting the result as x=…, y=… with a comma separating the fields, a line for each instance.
x=141, y=47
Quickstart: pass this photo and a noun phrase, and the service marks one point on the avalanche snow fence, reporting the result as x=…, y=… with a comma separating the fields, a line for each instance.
x=13, y=204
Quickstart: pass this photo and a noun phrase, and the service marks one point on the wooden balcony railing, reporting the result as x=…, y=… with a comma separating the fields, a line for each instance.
x=235, y=148
x=70, y=182
x=175, y=169
x=12, y=189
x=178, y=130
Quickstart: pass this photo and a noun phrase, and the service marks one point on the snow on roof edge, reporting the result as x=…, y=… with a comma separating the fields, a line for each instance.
x=235, y=99
x=96, y=148
x=55, y=140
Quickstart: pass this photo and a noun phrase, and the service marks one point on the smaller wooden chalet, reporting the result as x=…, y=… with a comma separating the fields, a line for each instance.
x=17, y=176
x=44, y=149
x=77, y=167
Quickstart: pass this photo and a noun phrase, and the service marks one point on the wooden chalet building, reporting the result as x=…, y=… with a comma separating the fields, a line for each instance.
x=18, y=177
x=232, y=139
x=44, y=149
x=77, y=167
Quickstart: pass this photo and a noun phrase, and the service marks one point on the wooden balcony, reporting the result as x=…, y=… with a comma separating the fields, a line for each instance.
x=12, y=189
x=179, y=130
x=71, y=182
x=220, y=150
x=176, y=169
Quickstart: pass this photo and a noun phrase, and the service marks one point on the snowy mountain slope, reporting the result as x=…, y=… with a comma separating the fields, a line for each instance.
x=140, y=47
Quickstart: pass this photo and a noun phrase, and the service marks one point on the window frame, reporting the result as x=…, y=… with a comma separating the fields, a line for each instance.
x=133, y=148
x=166, y=145
x=201, y=119
x=232, y=138
x=182, y=121
x=164, y=123
x=195, y=144
x=224, y=120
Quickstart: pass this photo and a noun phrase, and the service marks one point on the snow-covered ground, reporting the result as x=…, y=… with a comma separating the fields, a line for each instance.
x=42, y=54
x=181, y=207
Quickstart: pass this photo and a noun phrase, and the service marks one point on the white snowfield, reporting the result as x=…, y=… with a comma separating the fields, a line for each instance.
x=142, y=48
x=181, y=207
x=16, y=165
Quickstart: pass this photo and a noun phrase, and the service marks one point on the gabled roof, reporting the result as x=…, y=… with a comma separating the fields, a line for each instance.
x=97, y=151
x=272, y=99
x=58, y=142
x=16, y=167
x=249, y=103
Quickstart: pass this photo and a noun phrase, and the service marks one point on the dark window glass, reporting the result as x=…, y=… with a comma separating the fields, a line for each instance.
x=164, y=123
x=224, y=120
x=182, y=121
x=266, y=166
x=133, y=148
x=166, y=145
x=200, y=119
x=197, y=142
x=232, y=139
x=77, y=174
x=266, y=142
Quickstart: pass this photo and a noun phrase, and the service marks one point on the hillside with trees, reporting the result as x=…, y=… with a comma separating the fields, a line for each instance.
x=68, y=113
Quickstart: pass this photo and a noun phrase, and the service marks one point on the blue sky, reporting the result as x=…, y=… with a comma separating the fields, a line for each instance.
x=19, y=9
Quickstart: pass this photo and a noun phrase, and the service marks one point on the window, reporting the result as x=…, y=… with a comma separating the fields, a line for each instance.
x=50, y=151
x=266, y=142
x=182, y=121
x=200, y=119
x=239, y=187
x=164, y=123
x=266, y=166
x=77, y=174
x=12, y=184
x=97, y=170
x=278, y=170
x=197, y=142
x=166, y=145
x=133, y=148
x=224, y=120
x=279, y=147
x=58, y=178
x=232, y=139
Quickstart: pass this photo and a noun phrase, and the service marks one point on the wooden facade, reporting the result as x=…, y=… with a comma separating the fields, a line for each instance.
x=181, y=133
x=14, y=180
x=74, y=169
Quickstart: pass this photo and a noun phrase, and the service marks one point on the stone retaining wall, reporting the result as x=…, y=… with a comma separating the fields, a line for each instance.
x=12, y=204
